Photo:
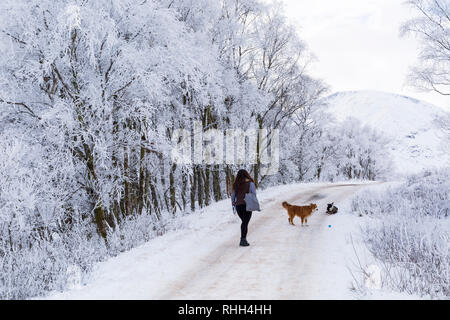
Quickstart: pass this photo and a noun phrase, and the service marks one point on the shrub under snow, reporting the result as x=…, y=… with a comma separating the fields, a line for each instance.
x=410, y=233
x=33, y=266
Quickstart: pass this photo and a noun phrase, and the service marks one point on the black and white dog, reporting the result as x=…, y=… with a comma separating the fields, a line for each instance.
x=331, y=209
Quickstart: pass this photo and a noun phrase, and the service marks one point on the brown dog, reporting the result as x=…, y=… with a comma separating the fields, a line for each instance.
x=301, y=211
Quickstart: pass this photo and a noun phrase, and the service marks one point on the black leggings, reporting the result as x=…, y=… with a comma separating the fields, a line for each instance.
x=245, y=217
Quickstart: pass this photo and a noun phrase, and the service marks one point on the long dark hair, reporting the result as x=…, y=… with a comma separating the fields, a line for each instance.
x=241, y=178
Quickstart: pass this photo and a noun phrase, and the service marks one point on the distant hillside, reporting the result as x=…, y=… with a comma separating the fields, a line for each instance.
x=417, y=139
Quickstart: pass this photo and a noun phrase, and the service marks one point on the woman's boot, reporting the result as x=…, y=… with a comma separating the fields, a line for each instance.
x=244, y=243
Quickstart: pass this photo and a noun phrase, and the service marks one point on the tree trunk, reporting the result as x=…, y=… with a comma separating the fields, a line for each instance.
x=257, y=166
x=126, y=183
x=140, y=196
x=228, y=182
x=99, y=212
x=207, y=185
x=163, y=182
x=193, y=187
x=200, y=191
x=172, y=188
x=216, y=183
x=99, y=215
x=184, y=182
x=156, y=205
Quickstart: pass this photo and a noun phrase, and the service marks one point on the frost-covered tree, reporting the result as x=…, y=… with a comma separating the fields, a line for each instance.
x=432, y=27
x=106, y=87
x=359, y=152
x=322, y=150
x=268, y=52
x=90, y=95
x=304, y=143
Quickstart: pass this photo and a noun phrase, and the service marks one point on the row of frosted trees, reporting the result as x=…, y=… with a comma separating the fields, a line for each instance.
x=96, y=89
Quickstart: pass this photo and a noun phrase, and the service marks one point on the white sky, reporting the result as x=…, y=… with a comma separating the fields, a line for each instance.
x=358, y=45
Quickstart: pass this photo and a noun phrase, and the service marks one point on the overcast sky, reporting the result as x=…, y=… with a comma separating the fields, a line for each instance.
x=358, y=45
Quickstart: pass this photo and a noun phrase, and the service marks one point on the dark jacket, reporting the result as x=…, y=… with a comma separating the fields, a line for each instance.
x=238, y=196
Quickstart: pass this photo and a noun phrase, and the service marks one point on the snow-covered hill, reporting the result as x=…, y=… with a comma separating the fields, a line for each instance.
x=417, y=141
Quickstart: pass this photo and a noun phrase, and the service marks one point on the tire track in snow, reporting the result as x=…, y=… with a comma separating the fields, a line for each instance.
x=279, y=264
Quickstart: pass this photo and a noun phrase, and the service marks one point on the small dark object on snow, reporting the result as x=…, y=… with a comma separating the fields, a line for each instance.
x=244, y=243
x=331, y=209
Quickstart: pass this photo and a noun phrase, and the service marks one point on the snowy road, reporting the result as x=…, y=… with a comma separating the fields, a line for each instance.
x=283, y=262
x=204, y=261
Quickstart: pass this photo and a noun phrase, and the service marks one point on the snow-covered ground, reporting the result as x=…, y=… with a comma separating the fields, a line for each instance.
x=417, y=141
x=202, y=259
x=361, y=262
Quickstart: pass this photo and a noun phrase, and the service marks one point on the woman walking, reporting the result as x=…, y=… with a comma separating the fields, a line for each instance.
x=242, y=185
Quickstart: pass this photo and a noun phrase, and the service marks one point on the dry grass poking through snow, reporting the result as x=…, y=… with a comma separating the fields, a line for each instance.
x=409, y=233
